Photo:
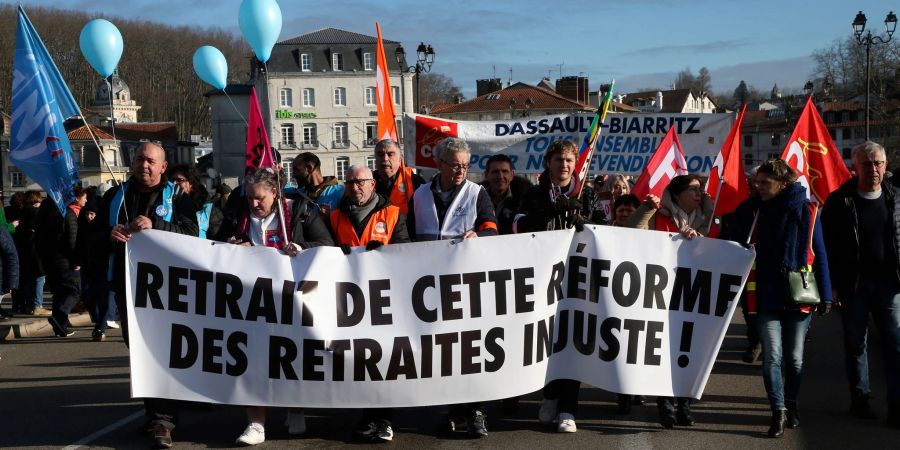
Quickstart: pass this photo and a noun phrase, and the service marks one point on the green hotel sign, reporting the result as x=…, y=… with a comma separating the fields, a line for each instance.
x=288, y=114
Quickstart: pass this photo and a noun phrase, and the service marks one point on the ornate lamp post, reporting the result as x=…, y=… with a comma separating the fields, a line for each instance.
x=859, y=26
x=424, y=60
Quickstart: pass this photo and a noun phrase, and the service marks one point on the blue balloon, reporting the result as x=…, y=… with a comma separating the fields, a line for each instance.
x=260, y=22
x=101, y=45
x=211, y=67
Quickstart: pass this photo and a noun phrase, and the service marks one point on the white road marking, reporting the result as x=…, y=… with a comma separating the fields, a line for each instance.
x=104, y=431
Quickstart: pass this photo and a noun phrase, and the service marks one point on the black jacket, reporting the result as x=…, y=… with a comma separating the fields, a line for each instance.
x=56, y=236
x=30, y=266
x=508, y=208
x=841, y=230
x=539, y=209
x=136, y=203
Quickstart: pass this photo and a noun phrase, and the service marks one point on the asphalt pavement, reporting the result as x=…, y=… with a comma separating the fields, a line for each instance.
x=72, y=392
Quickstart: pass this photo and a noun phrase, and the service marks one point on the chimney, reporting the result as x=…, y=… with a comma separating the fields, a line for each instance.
x=659, y=101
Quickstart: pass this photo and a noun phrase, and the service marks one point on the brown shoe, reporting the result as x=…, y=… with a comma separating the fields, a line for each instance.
x=162, y=437
x=42, y=312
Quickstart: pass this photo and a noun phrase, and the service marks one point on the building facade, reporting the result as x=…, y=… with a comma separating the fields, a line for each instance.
x=318, y=94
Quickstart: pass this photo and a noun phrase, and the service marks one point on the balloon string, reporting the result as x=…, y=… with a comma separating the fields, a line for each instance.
x=112, y=116
x=236, y=108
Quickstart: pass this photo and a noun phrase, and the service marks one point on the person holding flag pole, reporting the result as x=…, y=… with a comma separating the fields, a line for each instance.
x=554, y=204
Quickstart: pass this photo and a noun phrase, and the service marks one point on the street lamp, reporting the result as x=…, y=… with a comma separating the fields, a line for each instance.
x=808, y=88
x=859, y=26
x=424, y=60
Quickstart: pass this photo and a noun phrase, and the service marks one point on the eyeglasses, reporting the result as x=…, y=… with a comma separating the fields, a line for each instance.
x=456, y=167
x=179, y=180
x=875, y=164
x=357, y=181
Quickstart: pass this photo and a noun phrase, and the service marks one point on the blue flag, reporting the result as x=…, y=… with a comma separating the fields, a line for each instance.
x=41, y=102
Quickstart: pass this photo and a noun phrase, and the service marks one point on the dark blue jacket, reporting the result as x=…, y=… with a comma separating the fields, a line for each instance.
x=779, y=225
x=9, y=262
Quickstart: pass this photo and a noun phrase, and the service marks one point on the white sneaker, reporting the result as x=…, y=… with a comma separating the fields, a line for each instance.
x=566, y=423
x=295, y=422
x=254, y=434
x=112, y=324
x=547, y=413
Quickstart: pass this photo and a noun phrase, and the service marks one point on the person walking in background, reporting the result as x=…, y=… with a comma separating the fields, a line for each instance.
x=785, y=229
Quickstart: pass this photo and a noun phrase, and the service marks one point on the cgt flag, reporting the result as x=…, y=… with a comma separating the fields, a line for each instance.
x=727, y=183
x=812, y=153
x=387, y=126
x=666, y=163
x=259, y=151
x=41, y=102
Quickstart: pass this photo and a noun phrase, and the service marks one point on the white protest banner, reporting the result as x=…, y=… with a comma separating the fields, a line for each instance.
x=630, y=311
x=625, y=144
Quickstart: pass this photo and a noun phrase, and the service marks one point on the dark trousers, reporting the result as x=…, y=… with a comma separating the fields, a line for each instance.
x=880, y=300
x=376, y=414
x=95, y=292
x=669, y=403
x=158, y=410
x=566, y=392
x=65, y=284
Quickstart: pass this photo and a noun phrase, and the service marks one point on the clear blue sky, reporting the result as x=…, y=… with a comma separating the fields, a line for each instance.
x=640, y=43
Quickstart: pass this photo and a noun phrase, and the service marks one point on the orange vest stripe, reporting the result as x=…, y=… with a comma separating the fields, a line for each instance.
x=380, y=227
x=402, y=190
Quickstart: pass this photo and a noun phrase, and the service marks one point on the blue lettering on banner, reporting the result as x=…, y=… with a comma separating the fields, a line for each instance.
x=568, y=124
x=535, y=162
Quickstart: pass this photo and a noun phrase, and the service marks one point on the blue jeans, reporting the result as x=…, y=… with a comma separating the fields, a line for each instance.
x=782, y=335
x=32, y=292
x=881, y=299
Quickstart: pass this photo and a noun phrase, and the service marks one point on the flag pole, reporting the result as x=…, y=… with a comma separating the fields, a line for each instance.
x=602, y=110
x=99, y=150
x=278, y=175
x=712, y=215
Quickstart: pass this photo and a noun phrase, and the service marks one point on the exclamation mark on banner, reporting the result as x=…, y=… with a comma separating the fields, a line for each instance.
x=687, y=334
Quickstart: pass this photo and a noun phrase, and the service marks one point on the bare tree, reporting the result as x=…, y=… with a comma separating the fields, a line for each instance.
x=436, y=88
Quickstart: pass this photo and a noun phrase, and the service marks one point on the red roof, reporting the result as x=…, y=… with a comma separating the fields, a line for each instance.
x=519, y=97
x=81, y=133
x=150, y=131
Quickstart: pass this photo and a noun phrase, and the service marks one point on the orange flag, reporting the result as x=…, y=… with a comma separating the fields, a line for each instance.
x=387, y=128
x=812, y=153
x=727, y=183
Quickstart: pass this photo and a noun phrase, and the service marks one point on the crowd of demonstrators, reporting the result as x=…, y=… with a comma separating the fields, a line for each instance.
x=394, y=205
x=862, y=236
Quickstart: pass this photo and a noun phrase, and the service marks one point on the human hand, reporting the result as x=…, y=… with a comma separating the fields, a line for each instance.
x=469, y=235
x=824, y=308
x=372, y=245
x=652, y=200
x=689, y=233
x=120, y=233
x=140, y=223
x=837, y=298
x=577, y=221
x=292, y=249
x=345, y=248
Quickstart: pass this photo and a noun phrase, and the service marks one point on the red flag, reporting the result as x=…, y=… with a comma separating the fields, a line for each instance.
x=727, y=183
x=812, y=153
x=387, y=127
x=666, y=163
x=259, y=151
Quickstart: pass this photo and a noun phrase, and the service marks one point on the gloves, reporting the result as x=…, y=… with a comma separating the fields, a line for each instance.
x=577, y=221
x=564, y=204
x=372, y=245
x=345, y=248
x=824, y=308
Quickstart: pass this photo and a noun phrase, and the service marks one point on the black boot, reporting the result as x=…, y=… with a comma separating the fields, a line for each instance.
x=793, y=417
x=683, y=416
x=777, y=428
x=667, y=417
